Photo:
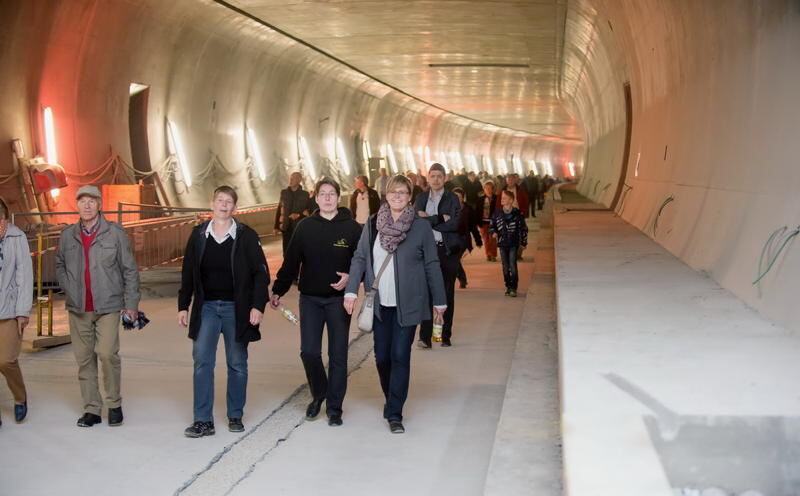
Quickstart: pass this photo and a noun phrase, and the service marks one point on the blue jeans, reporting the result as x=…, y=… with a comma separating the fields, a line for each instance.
x=393, y=359
x=218, y=317
x=508, y=255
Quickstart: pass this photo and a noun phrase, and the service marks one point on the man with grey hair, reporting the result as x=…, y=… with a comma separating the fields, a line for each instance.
x=96, y=269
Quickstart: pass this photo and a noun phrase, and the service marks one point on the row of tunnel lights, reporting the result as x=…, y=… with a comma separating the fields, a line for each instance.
x=176, y=148
x=336, y=152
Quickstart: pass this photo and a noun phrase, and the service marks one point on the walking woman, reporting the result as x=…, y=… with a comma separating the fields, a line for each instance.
x=508, y=226
x=226, y=280
x=16, y=298
x=403, y=296
x=486, y=203
x=321, y=249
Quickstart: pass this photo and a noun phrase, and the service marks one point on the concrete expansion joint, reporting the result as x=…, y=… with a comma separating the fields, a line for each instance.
x=237, y=461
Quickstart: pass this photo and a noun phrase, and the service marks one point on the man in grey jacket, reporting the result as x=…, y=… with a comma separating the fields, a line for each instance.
x=97, y=271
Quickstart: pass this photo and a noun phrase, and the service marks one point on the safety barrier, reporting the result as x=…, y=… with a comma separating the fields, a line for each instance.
x=155, y=242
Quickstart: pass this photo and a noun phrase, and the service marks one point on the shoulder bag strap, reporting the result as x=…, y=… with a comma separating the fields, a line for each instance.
x=380, y=272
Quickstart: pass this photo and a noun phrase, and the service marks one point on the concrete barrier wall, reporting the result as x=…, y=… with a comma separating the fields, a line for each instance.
x=715, y=120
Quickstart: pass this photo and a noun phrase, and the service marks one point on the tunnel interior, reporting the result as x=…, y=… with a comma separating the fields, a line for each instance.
x=681, y=117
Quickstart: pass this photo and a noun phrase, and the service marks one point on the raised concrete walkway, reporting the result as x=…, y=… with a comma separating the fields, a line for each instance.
x=670, y=384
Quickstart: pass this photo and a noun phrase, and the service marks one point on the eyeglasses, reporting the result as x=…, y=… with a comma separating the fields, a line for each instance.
x=398, y=192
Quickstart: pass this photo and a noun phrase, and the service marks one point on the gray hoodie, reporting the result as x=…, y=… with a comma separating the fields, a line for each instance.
x=16, y=275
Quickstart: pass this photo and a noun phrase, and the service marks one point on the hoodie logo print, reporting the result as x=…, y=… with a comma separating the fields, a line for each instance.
x=342, y=243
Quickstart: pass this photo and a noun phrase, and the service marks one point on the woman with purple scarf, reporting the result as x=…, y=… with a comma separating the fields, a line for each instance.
x=402, y=300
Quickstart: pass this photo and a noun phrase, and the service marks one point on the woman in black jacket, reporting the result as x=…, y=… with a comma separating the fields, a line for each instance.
x=321, y=249
x=225, y=273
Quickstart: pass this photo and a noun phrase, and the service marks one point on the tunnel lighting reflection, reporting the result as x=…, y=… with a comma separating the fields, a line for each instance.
x=50, y=136
x=411, y=163
x=342, y=156
x=427, y=156
x=532, y=165
x=571, y=169
x=473, y=163
x=489, y=165
x=442, y=159
x=392, y=160
x=176, y=148
x=517, y=165
x=502, y=165
x=305, y=156
x=256, y=154
x=331, y=150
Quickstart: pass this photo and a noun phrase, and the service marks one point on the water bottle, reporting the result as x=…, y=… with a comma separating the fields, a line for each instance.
x=437, y=330
x=290, y=316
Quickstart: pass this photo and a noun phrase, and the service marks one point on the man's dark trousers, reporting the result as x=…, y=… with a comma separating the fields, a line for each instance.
x=315, y=312
x=449, y=264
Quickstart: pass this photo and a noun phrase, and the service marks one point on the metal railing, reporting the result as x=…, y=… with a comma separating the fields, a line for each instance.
x=155, y=242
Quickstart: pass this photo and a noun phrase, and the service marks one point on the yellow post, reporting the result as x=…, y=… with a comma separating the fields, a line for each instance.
x=49, y=312
x=39, y=285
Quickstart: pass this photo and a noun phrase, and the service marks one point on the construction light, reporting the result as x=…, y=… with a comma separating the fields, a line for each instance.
x=517, y=165
x=411, y=163
x=305, y=156
x=176, y=148
x=442, y=159
x=502, y=165
x=50, y=136
x=489, y=166
x=427, y=156
x=392, y=161
x=571, y=166
x=342, y=156
x=533, y=167
x=256, y=154
x=55, y=192
x=473, y=162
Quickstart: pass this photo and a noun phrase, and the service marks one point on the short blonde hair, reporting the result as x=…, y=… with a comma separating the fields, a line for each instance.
x=399, y=180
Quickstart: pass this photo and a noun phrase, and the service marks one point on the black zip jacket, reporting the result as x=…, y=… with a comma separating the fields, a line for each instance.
x=250, y=280
x=322, y=248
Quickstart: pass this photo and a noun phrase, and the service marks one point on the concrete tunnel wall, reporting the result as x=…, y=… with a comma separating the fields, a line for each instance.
x=211, y=72
x=716, y=115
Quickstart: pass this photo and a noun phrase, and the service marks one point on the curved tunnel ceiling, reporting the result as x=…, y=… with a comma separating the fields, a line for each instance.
x=497, y=62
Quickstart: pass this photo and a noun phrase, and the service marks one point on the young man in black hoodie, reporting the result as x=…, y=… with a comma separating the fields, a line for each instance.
x=321, y=249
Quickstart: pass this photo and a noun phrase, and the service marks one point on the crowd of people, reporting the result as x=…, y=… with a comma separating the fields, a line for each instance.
x=405, y=240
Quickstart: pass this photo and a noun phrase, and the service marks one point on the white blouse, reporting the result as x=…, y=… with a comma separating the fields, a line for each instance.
x=386, y=287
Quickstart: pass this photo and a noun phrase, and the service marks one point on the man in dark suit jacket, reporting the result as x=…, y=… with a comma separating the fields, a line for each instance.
x=441, y=208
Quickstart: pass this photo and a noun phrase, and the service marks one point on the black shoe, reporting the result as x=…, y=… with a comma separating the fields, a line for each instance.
x=89, y=419
x=422, y=343
x=20, y=411
x=396, y=427
x=512, y=293
x=446, y=342
x=335, y=420
x=462, y=285
x=115, y=416
x=235, y=425
x=508, y=292
x=200, y=429
x=313, y=409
